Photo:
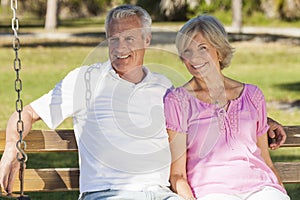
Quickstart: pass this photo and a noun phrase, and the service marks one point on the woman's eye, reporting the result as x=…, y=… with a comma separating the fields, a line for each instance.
x=202, y=48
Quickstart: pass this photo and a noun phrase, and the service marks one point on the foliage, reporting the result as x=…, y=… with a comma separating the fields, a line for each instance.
x=95, y=7
x=152, y=7
x=288, y=10
x=67, y=8
x=81, y=8
x=36, y=7
x=168, y=10
x=249, y=7
x=203, y=7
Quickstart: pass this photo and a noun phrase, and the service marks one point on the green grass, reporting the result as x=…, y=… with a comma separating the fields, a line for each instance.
x=273, y=67
x=270, y=66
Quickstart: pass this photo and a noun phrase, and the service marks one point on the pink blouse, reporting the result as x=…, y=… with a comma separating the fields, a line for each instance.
x=222, y=155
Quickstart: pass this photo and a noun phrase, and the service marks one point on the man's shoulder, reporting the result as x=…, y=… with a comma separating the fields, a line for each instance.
x=161, y=79
x=95, y=67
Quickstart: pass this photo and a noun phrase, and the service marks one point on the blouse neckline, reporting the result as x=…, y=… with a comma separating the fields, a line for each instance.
x=212, y=105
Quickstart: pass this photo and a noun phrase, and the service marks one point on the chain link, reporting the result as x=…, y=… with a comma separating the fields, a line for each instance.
x=21, y=144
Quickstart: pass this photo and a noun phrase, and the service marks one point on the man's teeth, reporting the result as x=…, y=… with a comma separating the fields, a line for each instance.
x=122, y=57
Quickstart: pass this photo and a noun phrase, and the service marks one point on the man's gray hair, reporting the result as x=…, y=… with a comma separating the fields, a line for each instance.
x=125, y=11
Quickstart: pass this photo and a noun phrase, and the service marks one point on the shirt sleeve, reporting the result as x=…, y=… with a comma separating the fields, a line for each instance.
x=57, y=104
x=174, y=113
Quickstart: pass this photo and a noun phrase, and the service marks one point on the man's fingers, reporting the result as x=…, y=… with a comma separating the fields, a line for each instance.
x=274, y=146
x=271, y=133
x=11, y=180
x=2, y=191
x=280, y=135
x=282, y=141
x=3, y=185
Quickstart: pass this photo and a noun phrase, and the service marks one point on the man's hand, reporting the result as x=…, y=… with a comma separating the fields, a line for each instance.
x=276, y=134
x=9, y=166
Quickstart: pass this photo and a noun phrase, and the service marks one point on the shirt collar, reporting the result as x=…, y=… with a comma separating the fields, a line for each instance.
x=146, y=79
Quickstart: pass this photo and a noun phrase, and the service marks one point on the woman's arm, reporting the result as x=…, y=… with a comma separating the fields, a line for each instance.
x=262, y=143
x=178, y=177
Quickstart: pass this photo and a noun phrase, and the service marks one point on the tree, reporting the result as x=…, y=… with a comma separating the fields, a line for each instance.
x=51, y=15
x=291, y=9
x=173, y=10
x=271, y=8
x=237, y=15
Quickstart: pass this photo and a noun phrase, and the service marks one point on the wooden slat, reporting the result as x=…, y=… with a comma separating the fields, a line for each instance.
x=289, y=171
x=64, y=140
x=53, y=179
x=46, y=141
x=293, y=136
x=66, y=179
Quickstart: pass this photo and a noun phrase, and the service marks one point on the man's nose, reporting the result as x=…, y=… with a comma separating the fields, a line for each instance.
x=121, y=44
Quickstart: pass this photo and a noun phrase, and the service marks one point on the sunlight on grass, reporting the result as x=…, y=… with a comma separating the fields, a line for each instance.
x=274, y=67
x=270, y=66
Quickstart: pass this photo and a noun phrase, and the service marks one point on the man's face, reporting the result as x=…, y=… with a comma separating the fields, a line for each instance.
x=126, y=44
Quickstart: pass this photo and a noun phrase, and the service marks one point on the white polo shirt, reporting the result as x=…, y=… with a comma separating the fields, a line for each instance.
x=119, y=126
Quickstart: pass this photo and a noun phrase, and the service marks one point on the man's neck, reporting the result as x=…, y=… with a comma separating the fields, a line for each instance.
x=133, y=76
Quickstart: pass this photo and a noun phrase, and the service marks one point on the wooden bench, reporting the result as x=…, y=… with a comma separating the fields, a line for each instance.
x=66, y=179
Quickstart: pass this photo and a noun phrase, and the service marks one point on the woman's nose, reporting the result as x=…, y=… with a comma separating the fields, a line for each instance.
x=197, y=59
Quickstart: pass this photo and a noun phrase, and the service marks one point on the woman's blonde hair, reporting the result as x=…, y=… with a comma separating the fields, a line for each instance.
x=212, y=30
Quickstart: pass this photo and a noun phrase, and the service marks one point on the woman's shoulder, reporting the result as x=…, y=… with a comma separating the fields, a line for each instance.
x=173, y=92
x=253, y=89
x=254, y=93
x=176, y=94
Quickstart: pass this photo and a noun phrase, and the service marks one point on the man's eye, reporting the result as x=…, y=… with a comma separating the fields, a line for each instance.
x=113, y=39
x=130, y=39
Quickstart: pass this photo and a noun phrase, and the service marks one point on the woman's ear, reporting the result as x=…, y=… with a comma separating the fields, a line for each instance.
x=219, y=56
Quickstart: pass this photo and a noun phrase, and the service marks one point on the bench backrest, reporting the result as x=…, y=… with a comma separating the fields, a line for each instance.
x=63, y=179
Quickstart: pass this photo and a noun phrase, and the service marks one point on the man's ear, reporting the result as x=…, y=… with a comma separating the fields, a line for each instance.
x=148, y=40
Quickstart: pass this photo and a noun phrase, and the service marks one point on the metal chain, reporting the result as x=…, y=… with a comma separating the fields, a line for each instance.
x=21, y=144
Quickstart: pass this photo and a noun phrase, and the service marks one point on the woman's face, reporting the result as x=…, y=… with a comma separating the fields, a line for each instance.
x=200, y=56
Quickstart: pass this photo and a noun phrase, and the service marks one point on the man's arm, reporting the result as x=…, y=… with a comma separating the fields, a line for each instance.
x=9, y=165
x=276, y=133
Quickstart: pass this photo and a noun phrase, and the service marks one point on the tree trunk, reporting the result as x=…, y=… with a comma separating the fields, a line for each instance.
x=173, y=9
x=237, y=18
x=291, y=9
x=51, y=15
x=271, y=8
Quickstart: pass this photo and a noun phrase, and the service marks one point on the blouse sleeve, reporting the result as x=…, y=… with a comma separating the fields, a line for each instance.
x=174, y=113
x=260, y=103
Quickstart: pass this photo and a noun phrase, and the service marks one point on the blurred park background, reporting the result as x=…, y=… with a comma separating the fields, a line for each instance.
x=57, y=36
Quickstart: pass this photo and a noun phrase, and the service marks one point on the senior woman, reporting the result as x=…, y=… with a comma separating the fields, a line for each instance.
x=217, y=126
